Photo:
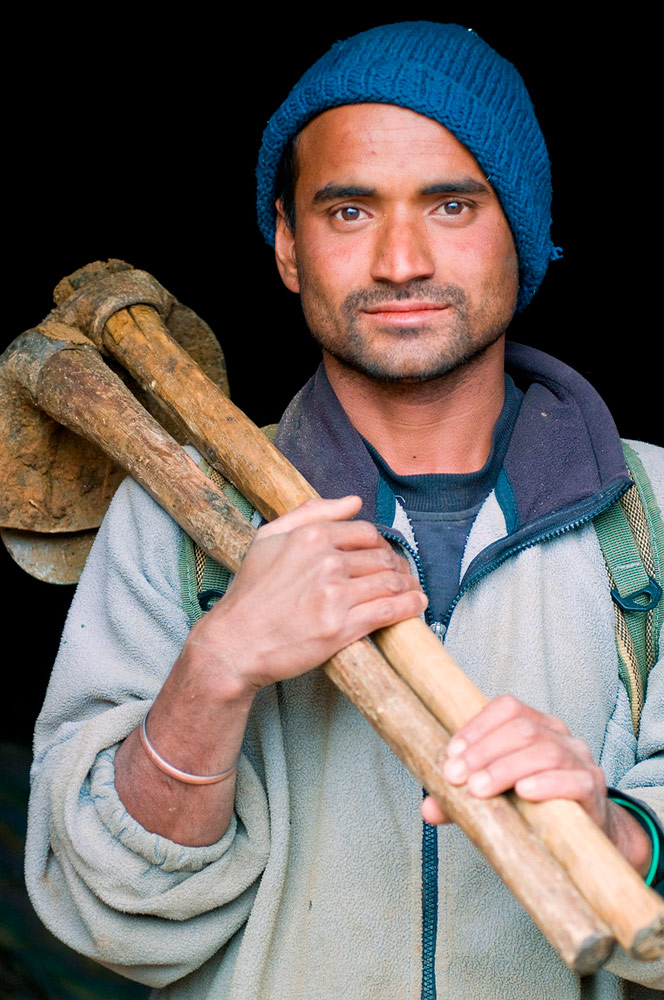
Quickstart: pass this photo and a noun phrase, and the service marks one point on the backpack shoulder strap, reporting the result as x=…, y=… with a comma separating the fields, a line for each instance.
x=631, y=536
x=203, y=580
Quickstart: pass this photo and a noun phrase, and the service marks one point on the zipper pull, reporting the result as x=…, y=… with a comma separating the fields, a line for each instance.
x=438, y=630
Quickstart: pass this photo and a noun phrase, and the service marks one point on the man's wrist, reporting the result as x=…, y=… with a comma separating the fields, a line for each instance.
x=641, y=813
x=220, y=668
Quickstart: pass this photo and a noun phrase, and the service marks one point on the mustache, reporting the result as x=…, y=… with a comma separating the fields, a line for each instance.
x=429, y=291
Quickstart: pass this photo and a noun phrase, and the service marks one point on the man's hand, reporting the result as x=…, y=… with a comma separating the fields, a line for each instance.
x=312, y=582
x=510, y=745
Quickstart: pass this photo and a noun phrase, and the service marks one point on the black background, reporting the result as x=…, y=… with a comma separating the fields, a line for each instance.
x=137, y=138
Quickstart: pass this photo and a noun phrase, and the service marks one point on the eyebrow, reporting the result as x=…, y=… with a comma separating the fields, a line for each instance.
x=465, y=185
x=333, y=191
x=462, y=185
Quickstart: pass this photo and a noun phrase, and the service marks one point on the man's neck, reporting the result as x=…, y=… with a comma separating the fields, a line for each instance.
x=444, y=425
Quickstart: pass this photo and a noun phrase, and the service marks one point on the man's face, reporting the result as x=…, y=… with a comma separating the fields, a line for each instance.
x=401, y=253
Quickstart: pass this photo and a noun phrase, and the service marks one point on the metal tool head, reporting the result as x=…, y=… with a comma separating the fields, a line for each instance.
x=55, y=486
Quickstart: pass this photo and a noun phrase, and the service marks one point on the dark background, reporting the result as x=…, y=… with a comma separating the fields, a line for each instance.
x=137, y=139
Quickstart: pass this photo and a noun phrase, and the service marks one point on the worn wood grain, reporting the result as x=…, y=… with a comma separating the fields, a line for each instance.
x=232, y=444
x=74, y=386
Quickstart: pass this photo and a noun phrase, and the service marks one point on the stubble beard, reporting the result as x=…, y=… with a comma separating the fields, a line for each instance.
x=466, y=338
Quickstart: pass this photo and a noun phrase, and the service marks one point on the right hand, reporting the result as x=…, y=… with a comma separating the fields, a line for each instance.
x=312, y=583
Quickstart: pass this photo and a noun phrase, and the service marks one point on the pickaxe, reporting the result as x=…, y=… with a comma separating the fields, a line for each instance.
x=57, y=371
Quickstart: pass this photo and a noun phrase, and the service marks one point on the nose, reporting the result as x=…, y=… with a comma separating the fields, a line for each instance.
x=402, y=251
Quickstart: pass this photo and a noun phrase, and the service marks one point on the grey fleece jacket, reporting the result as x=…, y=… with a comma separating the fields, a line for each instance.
x=315, y=891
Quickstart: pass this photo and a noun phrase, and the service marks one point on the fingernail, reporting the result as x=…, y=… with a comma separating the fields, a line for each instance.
x=455, y=770
x=527, y=786
x=455, y=747
x=479, y=782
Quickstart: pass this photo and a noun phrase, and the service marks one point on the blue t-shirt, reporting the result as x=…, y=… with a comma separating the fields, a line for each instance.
x=443, y=506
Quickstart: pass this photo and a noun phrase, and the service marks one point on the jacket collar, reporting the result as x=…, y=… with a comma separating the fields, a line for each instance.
x=319, y=439
x=564, y=460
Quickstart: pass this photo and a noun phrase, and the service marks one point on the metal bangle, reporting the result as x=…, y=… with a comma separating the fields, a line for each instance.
x=175, y=772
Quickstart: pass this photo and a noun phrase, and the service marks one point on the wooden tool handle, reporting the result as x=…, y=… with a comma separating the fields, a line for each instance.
x=74, y=387
x=233, y=445
x=633, y=912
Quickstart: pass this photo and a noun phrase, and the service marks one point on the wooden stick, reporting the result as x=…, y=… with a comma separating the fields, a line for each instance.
x=233, y=445
x=74, y=387
x=634, y=913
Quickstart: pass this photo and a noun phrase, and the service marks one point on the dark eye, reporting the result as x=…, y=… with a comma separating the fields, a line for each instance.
x=453, y=207
x=349, y=213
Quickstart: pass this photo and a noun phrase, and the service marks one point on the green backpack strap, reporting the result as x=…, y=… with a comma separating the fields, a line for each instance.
x=203, y=580
x=631, y=536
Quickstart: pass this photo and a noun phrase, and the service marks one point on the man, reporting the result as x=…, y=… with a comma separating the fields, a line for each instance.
x=253, y=837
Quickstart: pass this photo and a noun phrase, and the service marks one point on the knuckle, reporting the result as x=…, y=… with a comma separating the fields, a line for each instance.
x=557, y=724
x=403, y=567
x=580, y=749
x=332, y=565
x=368, y=534
x=330, y=624
x=586, y=783
x=556, y=754
x=311, y=535
x=394, y=583
x=389, y=559
x=329, y=596
x=414, y=603
x=598, y=776
x=510, y=706
x=384, y=611
x=526, y=729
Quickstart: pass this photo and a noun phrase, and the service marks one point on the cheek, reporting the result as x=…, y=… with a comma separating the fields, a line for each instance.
x=328, y=268
x=489, y=258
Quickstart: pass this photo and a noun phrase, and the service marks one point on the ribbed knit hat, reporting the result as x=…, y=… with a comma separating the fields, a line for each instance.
x=451, y=75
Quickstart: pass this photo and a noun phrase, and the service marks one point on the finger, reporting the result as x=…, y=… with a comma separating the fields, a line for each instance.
x=374, y=586
x=432, y=813
x=313, y=510
x=317, y=537
x=330, y=540
x=504, y=772
x=520, y=733
x=499, y=711
x=362, y=562
x=583, y=785
x=365, y=618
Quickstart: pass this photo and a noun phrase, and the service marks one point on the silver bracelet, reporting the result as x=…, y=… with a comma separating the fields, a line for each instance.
x=175, y=772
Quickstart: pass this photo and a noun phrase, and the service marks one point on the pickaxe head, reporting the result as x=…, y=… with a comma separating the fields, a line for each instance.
x=55, y=486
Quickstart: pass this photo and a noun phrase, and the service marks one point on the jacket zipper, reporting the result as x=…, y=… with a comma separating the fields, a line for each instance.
x=545, y=536
x=429, y=834
x=430, y=858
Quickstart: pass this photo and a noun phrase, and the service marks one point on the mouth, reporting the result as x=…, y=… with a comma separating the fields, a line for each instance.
x=405, y=313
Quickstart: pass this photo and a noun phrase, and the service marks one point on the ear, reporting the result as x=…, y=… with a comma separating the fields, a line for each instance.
x=284, y=251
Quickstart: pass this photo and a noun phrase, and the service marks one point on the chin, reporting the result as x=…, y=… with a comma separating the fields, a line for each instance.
x=390, y=368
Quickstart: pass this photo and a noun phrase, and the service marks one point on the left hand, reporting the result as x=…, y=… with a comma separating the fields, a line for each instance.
x=510, y=745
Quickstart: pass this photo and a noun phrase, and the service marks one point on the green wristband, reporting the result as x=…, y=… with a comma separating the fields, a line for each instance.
x=652, y=830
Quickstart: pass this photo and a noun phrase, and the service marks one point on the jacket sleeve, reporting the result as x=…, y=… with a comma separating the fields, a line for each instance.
x=645, y=780
x=146, y=907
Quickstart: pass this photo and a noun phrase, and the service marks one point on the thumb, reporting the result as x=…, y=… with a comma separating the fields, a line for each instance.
x=313, y=510
x=433, y=813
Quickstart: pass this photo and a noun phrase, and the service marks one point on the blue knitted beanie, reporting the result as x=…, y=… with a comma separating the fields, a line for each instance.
x=449, y=74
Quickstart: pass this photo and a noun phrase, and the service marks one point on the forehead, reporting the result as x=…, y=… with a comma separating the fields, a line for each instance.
x=379, y=139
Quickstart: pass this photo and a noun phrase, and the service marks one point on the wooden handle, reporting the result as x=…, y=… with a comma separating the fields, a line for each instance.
x=633, y=912
x=74, y=387
x=233, y=445
x=230, y=442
